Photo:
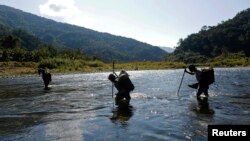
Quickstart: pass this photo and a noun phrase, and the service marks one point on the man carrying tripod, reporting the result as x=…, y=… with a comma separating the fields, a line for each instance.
x=124, y=86
x=205, y=77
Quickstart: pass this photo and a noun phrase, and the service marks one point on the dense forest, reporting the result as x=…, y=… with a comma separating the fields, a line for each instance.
x=105, y=46
x=228, y=38
x=30, y=41
x=21, y=46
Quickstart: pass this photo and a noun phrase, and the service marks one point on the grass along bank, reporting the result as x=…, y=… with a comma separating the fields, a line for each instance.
x=148, y=65
x=17, y=68
x=57, y=65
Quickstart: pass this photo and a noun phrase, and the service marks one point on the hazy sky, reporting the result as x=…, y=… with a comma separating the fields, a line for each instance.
x=157, y=22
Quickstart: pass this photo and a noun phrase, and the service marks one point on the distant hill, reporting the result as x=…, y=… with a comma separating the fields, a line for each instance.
x=101, y=45
x=167, y=49
x=231, y=36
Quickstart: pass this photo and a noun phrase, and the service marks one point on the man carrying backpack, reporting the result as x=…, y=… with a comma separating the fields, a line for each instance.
x=204, y=77
x=124, y=86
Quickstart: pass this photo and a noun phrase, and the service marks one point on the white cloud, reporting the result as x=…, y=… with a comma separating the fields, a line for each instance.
x=59, y=8
x=65, y=10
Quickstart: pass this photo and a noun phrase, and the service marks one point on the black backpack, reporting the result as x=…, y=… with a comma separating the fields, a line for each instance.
x=207, y=76
x=125, y=82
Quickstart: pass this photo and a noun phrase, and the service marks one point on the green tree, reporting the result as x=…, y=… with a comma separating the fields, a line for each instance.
x=10, y=42
x=19, y=54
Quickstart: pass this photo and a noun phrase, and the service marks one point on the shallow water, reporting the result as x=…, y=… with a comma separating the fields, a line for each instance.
x=80, y=107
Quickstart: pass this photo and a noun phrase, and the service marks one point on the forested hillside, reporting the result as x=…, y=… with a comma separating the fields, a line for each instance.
x=100, y=45
x=231, y=36
x=19, y=45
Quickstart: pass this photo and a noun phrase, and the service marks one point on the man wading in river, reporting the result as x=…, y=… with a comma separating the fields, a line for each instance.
x=124, y=86
x=205, y=77
x=46, y=77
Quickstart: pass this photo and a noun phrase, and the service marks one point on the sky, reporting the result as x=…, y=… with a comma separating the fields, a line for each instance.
x=156, y=22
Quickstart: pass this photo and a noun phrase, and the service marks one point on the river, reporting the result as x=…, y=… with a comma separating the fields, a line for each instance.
x=80, y=107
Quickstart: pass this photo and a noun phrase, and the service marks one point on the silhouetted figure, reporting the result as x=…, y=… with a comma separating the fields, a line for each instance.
x=122, y=115
x=46, y=77
x=205, y=77
x=124, y=86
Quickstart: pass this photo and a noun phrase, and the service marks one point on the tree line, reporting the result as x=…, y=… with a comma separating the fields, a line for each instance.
x=231, y=36
x=12, y=49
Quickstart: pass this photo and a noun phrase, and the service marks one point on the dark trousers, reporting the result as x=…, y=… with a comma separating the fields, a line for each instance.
x=203, y=88
x=46, y=85
x=122, y=95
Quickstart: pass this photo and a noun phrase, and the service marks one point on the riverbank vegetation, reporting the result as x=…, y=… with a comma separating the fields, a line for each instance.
x=22, y=52
x=58, y=65
x=15, y=59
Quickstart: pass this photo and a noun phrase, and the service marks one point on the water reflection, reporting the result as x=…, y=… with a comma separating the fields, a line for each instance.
x=15, y=124
x=64, y=130
x=122, y=115
x=203, y=106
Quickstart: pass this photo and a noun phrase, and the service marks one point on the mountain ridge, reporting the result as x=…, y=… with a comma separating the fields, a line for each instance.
x=231, y=36
x=167, y=49
x=102, y=45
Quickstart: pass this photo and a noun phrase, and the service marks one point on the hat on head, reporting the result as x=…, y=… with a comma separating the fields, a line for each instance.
x=112, y=77
x=192, y=68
